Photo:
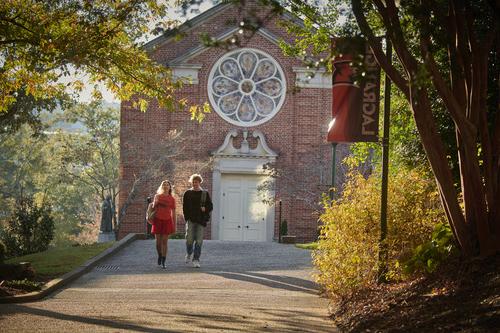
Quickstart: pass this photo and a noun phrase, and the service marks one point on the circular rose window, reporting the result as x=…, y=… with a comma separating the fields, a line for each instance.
x=246, y=87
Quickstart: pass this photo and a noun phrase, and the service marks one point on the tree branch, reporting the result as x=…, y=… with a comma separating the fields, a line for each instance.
x=14, y=41
x=389, y=15
x=446, y=94
x=17, y=24
x=376, y=48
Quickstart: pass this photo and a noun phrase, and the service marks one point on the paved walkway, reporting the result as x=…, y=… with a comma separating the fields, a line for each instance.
x=241, y=287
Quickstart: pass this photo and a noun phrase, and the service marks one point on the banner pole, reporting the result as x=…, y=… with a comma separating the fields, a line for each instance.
x=334, y=166
x=382, y=268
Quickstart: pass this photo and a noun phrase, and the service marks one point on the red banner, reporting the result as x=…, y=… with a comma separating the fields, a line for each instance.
x=356, y=94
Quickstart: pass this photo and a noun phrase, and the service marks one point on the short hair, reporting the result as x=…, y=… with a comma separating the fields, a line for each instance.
x=195, y=176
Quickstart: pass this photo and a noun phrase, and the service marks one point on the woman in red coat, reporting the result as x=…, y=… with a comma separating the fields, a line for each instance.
x=165, y=219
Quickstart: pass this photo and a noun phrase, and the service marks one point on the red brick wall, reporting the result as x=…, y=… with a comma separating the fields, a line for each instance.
x=297, y=133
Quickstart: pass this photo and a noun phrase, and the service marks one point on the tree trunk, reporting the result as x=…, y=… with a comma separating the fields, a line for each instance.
x=476, y=226
x=436, y=154
x=474, y=196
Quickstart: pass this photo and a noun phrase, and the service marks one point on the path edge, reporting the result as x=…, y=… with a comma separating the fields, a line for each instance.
x=65, y=279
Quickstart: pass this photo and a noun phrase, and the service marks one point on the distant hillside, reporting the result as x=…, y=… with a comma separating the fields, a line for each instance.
x=51, y=118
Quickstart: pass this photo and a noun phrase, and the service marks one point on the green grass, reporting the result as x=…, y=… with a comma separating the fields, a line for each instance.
x=308, y=246
x=59, y=260
x=177, y=235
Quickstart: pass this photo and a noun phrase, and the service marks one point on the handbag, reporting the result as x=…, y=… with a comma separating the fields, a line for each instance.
x=150, y=213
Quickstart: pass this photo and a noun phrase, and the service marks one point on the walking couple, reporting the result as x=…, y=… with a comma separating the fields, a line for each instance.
x=196, y=207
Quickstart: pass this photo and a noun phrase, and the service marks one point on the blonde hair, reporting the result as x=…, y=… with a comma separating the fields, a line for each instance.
x=195, y=176
x=160, y=189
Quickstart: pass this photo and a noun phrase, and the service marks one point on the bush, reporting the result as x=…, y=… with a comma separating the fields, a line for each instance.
x=16, y=271
x=3, y=251
x=347, y=255
x=25, y=285
x=87, y=235
x=30, y=229
x=427, y=257
x=284, y=228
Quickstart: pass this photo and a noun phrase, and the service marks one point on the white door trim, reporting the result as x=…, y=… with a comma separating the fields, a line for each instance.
x=237, y=166
x=243, y=160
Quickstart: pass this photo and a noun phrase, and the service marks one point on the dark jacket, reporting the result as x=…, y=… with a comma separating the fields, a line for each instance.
x=191, y=207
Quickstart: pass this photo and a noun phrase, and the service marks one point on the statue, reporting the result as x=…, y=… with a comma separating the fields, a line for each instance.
x=107, y=215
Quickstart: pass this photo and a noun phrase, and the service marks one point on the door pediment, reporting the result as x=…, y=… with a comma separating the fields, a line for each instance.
x=228, y=149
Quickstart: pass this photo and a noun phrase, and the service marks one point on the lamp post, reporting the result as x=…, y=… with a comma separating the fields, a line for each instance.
x=382, y=254
x=279, y=221
x=334, y=159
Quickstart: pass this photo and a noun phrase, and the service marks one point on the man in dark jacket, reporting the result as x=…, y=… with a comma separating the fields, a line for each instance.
x=196, y=207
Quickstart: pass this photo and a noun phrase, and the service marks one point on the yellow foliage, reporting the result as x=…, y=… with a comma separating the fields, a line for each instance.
x=198, y=112
x=347, y=255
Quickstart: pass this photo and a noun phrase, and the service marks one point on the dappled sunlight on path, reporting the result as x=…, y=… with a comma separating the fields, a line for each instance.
x=241, y=287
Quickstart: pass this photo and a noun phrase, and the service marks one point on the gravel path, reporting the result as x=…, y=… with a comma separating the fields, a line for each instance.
x=241, y=287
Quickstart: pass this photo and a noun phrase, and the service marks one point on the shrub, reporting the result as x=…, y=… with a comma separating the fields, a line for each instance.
x=87, y=235
x=284, y=228
x=347, y=255
x=3, y=251
x=30, y=229
x=16, y=271
x=25, y=285
x=427, y=256
x=10, y=243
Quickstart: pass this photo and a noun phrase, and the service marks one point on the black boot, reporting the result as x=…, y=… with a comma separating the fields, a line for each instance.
x=163, y=261
x=159, y=260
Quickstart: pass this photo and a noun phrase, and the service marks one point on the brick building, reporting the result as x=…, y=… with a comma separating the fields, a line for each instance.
x=264, y=110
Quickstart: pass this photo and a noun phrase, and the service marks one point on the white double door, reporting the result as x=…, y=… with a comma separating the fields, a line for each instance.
x=243, y=214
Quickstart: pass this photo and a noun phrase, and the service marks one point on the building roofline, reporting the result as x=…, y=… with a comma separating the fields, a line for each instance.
x=186, y=25
x=189, y=24
x=179, y=61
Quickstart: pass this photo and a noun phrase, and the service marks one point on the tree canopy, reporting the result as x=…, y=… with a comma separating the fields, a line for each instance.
x=73, y=166
x=446, y=66
x=42, y=41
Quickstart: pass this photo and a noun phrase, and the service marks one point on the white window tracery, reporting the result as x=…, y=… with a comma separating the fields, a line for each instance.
x=246, y=87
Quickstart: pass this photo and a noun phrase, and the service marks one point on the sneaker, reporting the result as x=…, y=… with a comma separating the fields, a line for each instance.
x=188, y=258
x=196, y=263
